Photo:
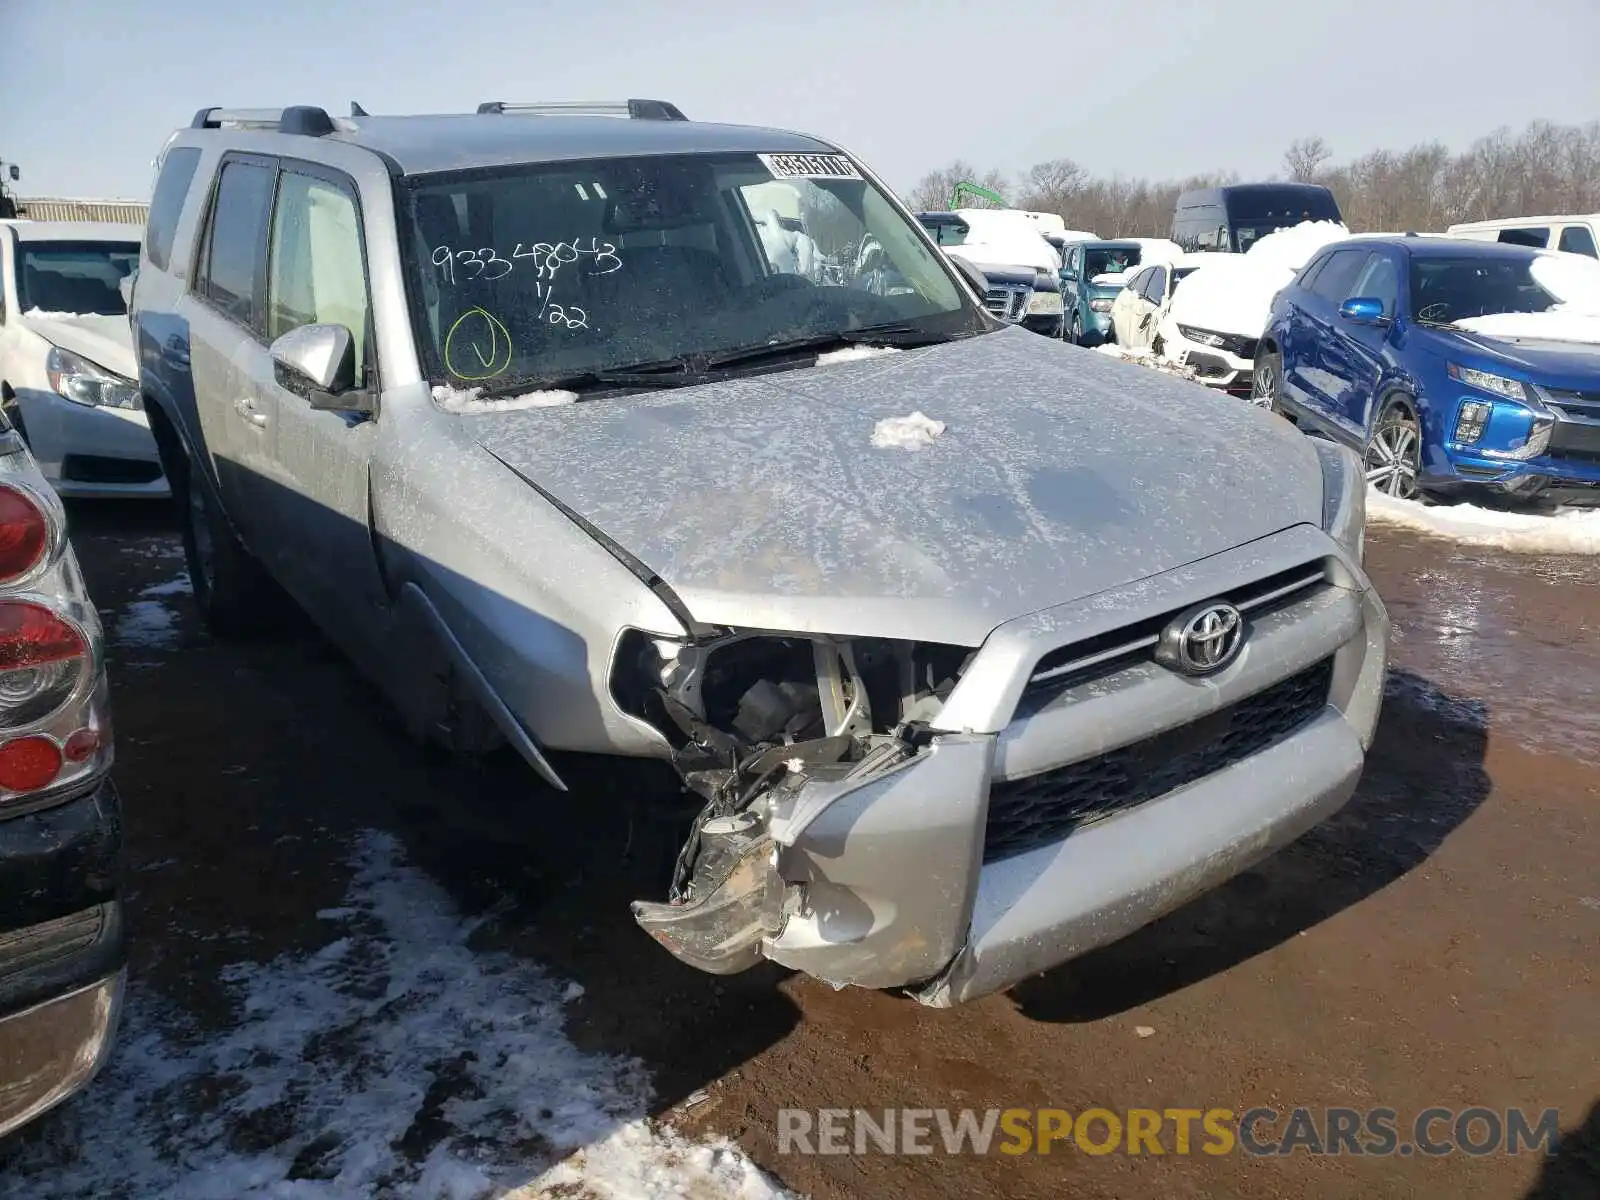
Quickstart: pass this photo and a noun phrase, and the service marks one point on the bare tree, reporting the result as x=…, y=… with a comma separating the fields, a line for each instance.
x=1546, y=168
x=1305, y=157
x=932, y=191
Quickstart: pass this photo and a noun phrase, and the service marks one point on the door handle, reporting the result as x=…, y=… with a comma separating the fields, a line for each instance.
x=246, y=408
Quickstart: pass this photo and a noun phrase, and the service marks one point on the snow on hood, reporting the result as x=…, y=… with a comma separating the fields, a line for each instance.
x=1574, y=280
x=1003, y=237
x=761, y=500
x=105, y=341
x=1234, y=293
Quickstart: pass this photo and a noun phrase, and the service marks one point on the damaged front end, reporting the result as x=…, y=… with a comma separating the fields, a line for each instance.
x=776, y=733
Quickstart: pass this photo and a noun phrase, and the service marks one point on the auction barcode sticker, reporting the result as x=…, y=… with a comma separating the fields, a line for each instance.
x=809, y=166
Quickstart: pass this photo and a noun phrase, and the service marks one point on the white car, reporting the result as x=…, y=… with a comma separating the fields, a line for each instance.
x=67, y=364
x=1138, y=309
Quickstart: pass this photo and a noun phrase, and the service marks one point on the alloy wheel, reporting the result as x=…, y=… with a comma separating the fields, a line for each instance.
x=1393, y=455
x=1264, y=385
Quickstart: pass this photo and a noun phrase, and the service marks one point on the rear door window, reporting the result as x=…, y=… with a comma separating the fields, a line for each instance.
x=1138, y=282
x=1576, y=239
x=231, y=274
x=166, y=204
x=1338, y=275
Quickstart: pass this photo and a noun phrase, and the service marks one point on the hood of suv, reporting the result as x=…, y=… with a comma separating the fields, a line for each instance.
x=105, y=341
x=1559, y=364
x=763, y=503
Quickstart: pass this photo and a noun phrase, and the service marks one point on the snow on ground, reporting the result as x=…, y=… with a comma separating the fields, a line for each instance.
x=148, y=622
x=906, y=433
x=396, y=1061
x=855, y=354
x=1566, y=531
x=1232, y=293
x=465, y=401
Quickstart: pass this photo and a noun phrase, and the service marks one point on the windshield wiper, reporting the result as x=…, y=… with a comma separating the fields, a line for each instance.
x=663, y=373
x=899, y=336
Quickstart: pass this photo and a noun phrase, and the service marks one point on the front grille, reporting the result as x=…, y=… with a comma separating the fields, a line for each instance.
x=1007, y=303
x=1044, y=808
x=1093, y=658
x=1583, y=405
x=1575, y=440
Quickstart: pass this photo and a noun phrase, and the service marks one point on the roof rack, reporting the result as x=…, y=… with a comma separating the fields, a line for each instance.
x=638, y=110
x=297, y=118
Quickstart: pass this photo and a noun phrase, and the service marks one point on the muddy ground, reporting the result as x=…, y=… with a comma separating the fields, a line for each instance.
x=1435, y=944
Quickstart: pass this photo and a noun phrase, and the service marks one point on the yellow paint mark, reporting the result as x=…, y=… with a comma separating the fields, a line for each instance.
x=469, y=331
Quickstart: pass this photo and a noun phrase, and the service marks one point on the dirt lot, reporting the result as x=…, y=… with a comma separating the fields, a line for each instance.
x=1435, y=944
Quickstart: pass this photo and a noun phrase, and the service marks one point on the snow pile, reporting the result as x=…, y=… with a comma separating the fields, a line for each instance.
x=1234, y=293
x=395, y=1061
x=1156, y=250
x=1146, y=357
x=466, y=401
x=906, y=433
x=1574, y=280
x=855, y=354
x=1566, y=531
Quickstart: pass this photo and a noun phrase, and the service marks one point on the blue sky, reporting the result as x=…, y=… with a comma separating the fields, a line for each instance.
x=89, y=89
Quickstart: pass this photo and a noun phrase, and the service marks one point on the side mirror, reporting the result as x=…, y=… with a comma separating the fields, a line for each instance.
x=1363, y=310
x=1069, y=274
x=978, y=280
x=318, y=363
x=14, y=173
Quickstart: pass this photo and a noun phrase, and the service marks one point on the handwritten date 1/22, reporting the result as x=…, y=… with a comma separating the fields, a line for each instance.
x=460, y=266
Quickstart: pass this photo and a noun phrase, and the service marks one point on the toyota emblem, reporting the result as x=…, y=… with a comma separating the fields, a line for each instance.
x=1202, y=640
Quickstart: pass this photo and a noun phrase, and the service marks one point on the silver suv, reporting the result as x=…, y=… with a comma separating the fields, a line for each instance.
x=577, y=429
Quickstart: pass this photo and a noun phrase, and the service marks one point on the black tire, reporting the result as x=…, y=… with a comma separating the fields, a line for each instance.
x=1266, y=382
x=1393, y=455
x=235, y=595
x=1076, y=335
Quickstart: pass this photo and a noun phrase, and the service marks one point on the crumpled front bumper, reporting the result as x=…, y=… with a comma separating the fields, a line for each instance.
x=886, y=876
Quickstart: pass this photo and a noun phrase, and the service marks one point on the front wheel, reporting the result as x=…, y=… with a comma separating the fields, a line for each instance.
x=1075, y=335
x=1394, y=453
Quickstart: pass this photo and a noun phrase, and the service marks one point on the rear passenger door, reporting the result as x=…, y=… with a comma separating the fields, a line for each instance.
x=1126, y=307
x=224, y=310
x=318, y=512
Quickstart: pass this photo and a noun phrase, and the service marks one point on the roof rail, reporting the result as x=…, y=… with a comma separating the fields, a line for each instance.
x=638, y=110
x=297, y=118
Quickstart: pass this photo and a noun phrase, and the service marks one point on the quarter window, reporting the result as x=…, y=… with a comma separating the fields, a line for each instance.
x=231, y=275
x=1137, y=283
x=166, y=204
x=316, y=272
x=1576, y=239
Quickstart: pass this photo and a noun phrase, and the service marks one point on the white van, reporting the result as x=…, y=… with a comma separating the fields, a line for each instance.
x=1578, y=235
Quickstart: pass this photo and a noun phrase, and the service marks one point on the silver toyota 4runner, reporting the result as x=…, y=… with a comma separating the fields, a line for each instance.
x=579, y=428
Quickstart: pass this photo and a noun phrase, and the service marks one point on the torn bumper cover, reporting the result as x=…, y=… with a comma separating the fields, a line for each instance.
x=880, y=879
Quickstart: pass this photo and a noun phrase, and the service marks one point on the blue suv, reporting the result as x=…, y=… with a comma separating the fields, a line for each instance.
x=1361, y=347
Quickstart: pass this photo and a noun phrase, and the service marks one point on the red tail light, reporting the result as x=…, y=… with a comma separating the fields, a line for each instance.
x=24, y=533
x=43, y=660
x=28, y=764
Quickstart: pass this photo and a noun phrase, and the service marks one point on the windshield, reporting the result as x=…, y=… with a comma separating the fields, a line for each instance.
x=531, y=274
x=84, y=278
x=1454, y=289
x=1109, y=262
